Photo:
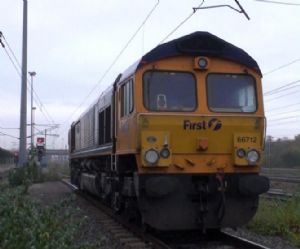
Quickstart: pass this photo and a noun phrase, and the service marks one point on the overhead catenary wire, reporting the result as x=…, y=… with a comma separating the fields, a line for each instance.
x=285, y=112
x=8, y=128
x=180, y=24
x=241, y=10
x=42, y=107
x=278, y=2
x=208, y=7
x=281, y=67
x=113, y=62
x=283, y=107
x=282, y=88
x=282, y=123
x=283, y=118
x=37, y=99
x=8, y=135
x=281, y=96
x=12, y=62
x=17, y=67
x=39, y=131
x=11, y=51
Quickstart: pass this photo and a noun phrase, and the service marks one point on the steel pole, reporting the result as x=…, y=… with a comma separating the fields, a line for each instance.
x=33, y=123
x=23, y=109
x=32, y=74
x=31, y=106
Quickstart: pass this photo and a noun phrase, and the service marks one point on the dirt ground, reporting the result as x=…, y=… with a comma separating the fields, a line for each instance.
x=48, y=193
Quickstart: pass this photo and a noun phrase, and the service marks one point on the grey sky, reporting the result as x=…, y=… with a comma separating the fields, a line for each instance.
x=71, y=44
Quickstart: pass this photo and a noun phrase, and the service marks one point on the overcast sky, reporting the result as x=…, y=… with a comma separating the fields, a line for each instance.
x=72, y=43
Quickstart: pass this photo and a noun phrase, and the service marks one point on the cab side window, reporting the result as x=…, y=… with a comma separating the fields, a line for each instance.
x=105, y=126
x=126, y=98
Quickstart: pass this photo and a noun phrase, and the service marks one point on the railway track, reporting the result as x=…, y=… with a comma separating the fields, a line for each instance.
x=285, y=179
x=277, y=194
x=283, y=187
x=128, y=235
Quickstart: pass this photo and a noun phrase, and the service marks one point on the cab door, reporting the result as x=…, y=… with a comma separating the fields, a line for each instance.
x=124, y=117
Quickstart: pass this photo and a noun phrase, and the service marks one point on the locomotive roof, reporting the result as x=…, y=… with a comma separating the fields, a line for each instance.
x=198, y=44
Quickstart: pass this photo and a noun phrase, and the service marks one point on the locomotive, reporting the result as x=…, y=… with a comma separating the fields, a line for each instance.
x=176, y=141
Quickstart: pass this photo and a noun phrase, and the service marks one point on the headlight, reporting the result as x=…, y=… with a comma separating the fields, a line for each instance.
x=151, y=156
x=252, y=156
x=165, y=153
x=241, y=153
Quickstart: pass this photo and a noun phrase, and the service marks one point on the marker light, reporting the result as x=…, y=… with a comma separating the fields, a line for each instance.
x=202, y=63
x=151, y=156
x=241, y=153
x=253, y=156
x=165, y=153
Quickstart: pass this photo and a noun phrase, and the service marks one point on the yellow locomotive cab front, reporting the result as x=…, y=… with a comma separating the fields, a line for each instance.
x=199, y=120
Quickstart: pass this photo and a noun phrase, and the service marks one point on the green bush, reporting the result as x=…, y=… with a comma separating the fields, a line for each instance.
x=26, y=224
x=278, y=218
x=30, y=173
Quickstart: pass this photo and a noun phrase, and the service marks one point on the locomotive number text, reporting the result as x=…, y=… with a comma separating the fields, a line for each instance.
x=246, y=139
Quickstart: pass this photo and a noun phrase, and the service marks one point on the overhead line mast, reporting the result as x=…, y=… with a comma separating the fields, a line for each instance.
x=23, y=109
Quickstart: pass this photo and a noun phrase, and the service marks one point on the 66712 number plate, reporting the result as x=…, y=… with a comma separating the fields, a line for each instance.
x=251, y=139
x=246, y=139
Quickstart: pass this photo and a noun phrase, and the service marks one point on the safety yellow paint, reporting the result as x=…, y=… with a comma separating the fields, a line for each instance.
x=156, y=140
x=185, y=130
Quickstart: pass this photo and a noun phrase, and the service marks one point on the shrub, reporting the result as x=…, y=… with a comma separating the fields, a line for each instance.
x=25, y=175
x=26, y=224
x=32, y=173
x=278, y=218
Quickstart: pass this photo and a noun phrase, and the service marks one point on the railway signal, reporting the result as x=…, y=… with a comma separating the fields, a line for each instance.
x=40, y=146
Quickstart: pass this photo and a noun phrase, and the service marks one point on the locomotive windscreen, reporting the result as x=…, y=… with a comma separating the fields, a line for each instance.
x=169, y=91
x=231, y=93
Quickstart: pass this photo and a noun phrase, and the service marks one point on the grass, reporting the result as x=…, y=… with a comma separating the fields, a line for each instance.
x=55, y=171
x=278, y=218
x=32, y=173
x=25, y=223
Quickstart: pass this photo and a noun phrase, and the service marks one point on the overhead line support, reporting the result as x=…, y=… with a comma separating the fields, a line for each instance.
x=23, y=107
x=240, y=10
